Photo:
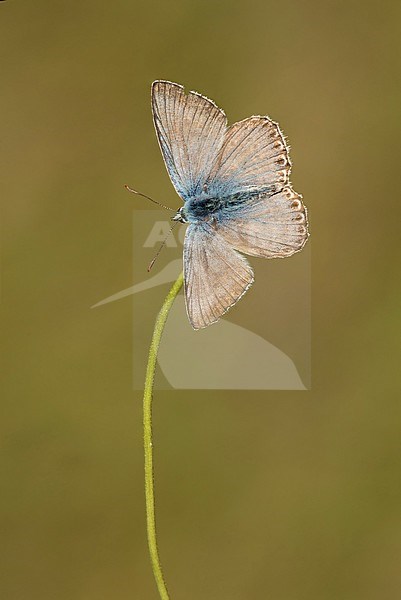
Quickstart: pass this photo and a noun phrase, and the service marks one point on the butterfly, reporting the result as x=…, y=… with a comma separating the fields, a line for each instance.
x=237, y=198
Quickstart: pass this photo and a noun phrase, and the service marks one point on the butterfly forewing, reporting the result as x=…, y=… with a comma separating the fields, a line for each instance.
x=215, y=275
x=190, y=129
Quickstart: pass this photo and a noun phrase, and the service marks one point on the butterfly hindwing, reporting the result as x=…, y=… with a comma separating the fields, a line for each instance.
x=254, y=156
x=270, y=226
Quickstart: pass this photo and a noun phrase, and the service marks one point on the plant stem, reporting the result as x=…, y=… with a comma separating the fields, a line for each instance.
x=147, y=437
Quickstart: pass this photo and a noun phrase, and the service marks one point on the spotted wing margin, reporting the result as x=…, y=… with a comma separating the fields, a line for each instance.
x=254, y=156
x=271, y=226
x=190, y=129
x=215, y=275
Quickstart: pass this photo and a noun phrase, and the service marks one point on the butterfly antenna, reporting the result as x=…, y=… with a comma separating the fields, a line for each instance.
x=152, y=262
x=148, y=197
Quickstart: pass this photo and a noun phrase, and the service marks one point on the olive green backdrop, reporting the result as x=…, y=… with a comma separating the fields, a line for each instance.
x=262, y=495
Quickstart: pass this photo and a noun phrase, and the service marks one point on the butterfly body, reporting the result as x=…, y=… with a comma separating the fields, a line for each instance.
x=207, y=208
x=234, y=182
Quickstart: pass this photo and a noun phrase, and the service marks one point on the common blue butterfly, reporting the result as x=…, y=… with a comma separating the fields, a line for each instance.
x=234, y=182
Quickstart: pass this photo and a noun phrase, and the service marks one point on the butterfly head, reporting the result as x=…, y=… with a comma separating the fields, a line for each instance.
x=180, y=215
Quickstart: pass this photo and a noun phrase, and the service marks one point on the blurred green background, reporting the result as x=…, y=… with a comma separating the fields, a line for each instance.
x=281, y=495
